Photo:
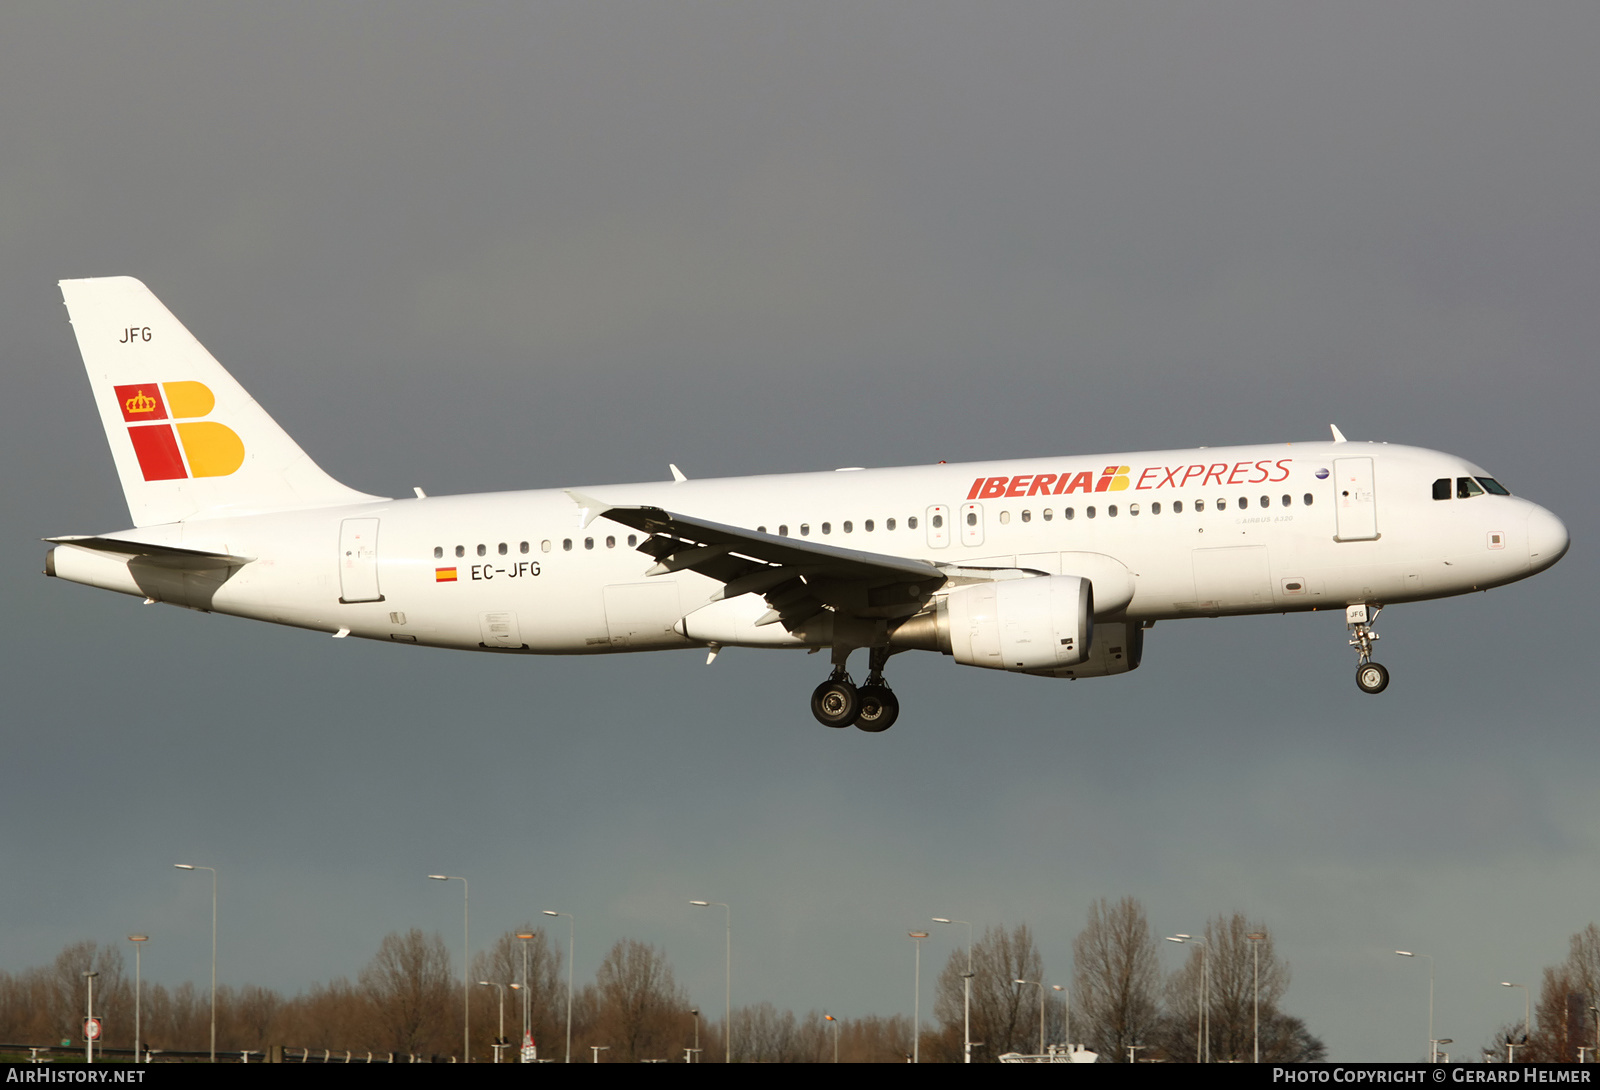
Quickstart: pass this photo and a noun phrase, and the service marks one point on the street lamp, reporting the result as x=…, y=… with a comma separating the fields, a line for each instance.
x=499, y=1041
x=1040, y=985
x=213, y=870
x=138, y=990
x=835, y=1021
x=1256, y=939
x=1527, y=1014
x=527, y=1026
x=727, y=994
x=916, y=998
x=966, y=994
x=1203, y=1024
x=90, y=1032
x=570, y=923
x=1433, y=1048
x=466, y=962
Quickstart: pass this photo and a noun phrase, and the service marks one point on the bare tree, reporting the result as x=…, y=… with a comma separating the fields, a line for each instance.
x=1114, y=979
x=410, y=987
x=640, y=1011
x=1005, y=1015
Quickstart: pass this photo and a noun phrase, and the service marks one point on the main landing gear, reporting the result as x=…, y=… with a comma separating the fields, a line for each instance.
x=1361, y=621
x=872, y=707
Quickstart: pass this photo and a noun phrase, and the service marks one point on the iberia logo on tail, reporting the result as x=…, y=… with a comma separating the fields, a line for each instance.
x=170, y=442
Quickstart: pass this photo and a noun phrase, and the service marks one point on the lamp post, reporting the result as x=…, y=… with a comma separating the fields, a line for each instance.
x=1433, y=1047
x=466, y=962
x=213, y=870
x=727, y=993
x=1527, y=1014
x=89, y=1030
x=500, y=1036
x=1203, y=1023
x=1040, y=985
x=1256, y=939
x=570, y=923
x=527, y=1025
x=138, y=989
x=966, y=994
x=835, y=1021
x=916, y=998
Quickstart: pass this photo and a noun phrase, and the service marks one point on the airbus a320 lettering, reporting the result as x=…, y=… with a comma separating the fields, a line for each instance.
x=1049, y=566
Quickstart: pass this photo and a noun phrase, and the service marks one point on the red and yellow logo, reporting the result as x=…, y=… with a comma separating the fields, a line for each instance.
x=444, y=575
x=185, y=448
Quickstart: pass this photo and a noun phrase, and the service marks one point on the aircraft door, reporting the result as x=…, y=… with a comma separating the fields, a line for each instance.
x=972, y=524
x=358, y=561
x=1355, y=503
x=938, y=526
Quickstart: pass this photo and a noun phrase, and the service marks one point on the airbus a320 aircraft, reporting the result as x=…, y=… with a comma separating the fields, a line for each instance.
x=1050, y=566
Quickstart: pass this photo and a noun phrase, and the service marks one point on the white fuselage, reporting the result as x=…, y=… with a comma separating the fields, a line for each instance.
x=1208, y=532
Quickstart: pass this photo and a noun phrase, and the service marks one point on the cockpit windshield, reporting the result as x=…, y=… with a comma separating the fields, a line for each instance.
x=1468, y=487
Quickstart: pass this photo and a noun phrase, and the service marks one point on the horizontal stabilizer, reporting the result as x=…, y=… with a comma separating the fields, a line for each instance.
x=177, y=557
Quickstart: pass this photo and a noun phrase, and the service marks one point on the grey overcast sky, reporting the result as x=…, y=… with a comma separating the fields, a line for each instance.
x=476, y=247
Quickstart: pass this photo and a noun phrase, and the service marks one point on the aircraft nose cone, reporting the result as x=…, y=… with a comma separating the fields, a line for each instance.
x=1547, y=539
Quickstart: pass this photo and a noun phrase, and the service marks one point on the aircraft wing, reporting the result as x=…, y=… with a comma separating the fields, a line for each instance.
x=798, y=578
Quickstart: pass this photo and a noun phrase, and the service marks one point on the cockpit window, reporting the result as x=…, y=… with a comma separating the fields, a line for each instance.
x=1441, y=488
x=1493, y=487
x=1466, y=488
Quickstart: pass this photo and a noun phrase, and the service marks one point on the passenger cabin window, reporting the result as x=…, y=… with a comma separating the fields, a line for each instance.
x=1441, y=488
x=611, y=542
x=911, y=523
x=544, y=546
x=867, y=526
x=438, y=552
x=1155, y=508
x=461, y=550
x=805, y=529
x=1005, y=518
x=1177, y=507
x=1088, y=512
x=1307, y=499
x=1048, y=514
x=1069, y=514
x=938, y=522
x=848, y=527
x=566, y=544
x=503, y=548
x=523, y=548
x=827, y=527
x=783, y=530
x=588, y=543
x=483, y=550
x=1199, y=505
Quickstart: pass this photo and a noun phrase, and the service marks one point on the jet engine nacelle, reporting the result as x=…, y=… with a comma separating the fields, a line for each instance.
x=1118, y=648
x=1041, y=624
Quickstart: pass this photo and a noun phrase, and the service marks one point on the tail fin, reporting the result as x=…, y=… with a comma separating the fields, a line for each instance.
x=186, y=437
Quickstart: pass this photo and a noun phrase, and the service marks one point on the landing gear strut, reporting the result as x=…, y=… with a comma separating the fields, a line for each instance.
x=837, y=702
x=1361, y=621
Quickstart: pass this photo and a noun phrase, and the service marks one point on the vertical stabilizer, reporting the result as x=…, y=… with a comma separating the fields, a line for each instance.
x=187, y=439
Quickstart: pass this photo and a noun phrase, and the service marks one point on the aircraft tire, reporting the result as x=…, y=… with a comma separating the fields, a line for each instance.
x=835, y=703
x=879, y=709
x=1372, y=678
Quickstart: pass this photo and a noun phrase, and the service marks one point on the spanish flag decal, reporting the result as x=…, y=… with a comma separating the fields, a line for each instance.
x=444, y=575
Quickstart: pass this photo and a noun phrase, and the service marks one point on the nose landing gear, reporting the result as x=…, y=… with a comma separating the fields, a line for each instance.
x=1361, y=621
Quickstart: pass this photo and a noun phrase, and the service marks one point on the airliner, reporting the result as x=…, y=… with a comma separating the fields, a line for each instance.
x=1051, y=566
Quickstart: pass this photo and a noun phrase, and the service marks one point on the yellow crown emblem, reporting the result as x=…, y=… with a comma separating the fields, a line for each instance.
x=141, y=402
